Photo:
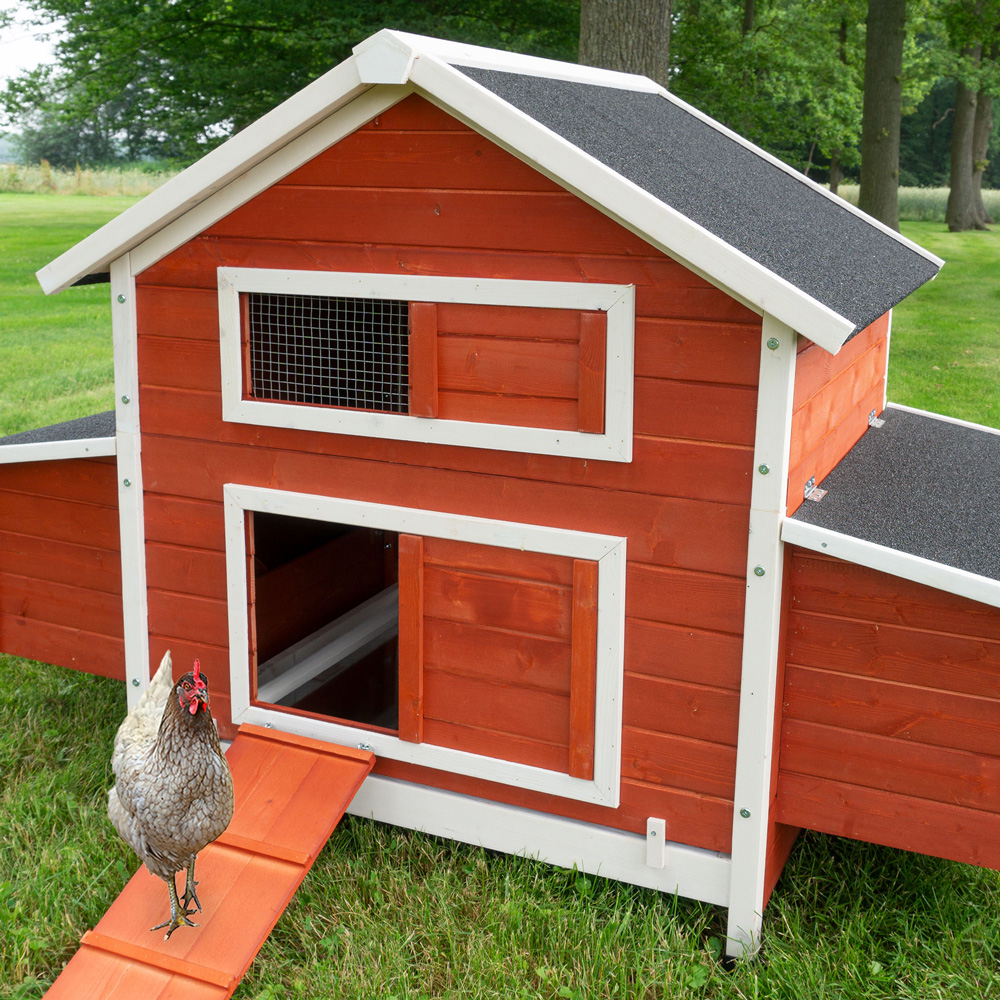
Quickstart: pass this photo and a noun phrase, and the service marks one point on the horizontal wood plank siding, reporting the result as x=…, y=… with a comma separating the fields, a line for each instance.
x=834, y=394
x=450, y=203
x=891, y=722
x=60, y=564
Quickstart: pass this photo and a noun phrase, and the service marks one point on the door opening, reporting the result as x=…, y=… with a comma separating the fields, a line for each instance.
x=324, y=618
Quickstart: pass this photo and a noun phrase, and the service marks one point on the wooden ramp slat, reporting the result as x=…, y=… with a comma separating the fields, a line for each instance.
x=290, y=794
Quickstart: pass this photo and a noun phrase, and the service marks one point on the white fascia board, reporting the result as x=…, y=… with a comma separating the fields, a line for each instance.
x=892, y=561
x=943, y=418
x=211, y=173
x=392, y=44
x=639, y=211
x=53, y=451
x=691, y=872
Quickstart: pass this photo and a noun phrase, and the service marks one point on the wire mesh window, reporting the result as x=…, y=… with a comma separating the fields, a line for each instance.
x=329, y=351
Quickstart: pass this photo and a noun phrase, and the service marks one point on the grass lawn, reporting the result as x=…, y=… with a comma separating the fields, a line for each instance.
x=388, y=913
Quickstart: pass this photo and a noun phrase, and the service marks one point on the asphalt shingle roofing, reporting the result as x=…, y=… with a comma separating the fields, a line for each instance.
x=726, y=187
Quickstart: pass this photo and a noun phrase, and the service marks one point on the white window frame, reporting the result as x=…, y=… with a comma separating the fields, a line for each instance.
x=607, y=550
x=618, y=301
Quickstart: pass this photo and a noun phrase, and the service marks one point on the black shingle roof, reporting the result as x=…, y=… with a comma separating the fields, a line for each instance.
x=99, y=425
x=921, y=485
x=770, y=215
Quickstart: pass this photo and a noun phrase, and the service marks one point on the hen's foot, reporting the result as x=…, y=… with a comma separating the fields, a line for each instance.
x=190, y=896
x=178, y=914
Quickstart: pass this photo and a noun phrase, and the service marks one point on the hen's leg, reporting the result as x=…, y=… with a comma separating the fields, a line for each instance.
x=190, y=896
x=178, y=914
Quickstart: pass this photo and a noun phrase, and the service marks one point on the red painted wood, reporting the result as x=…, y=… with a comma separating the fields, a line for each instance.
x=583, y=683
x=724, y=414
x=184, y=313
x=517, y=411
x=160, y=363
x=290, y=794
x=61, y=520
x=678, y=597
x=940, y=829
x=411, y=638
x=524, y=322
x=697, y=350
x=61, y=561
x=63, y=646
x=959, y=663
x=500, y=745
x=203, y=619
x=75, y=607
x=679, y=762
x=188, y=570
x=498, y=561
x=682, y=653
x=181, y=521
x=514, y=657
x=781, y=840
x=830, y=586
x=82, y=480
x=592, y=375
x=693, y=710
x=414, y=114
x=423, y=359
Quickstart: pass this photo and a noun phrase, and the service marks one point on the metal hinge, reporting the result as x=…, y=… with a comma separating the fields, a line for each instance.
x=874, y=421
x=810, y=492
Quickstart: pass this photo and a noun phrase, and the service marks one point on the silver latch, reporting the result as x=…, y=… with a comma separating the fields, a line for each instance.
x=810, y=492
x=874, y=421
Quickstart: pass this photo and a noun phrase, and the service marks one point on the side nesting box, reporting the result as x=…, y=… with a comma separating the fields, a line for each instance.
x=461, y=404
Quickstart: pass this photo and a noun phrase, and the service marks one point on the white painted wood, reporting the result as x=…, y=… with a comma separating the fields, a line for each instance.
x=607, y=550
x=595, y=850
x=617, y=301
x=54, y=451
x=251, y=146
x=656, y=842
x=463, y=54
x=888, y=354
x=892, y=561
x=384, y=57
x=761, y=637
x=627, y=203
x=130, y=506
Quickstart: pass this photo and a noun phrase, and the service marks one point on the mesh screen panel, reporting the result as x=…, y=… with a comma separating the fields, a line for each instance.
x=329, y=351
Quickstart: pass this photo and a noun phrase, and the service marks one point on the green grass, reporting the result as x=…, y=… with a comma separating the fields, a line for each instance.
x=389, y=913
x=917, y=204
x=43, y=179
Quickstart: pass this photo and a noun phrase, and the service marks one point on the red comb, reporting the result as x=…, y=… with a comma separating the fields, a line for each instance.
x=197, y=666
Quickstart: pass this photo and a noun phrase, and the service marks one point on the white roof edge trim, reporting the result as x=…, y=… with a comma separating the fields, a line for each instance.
x=801, y=178
x=203, y=178
x=944, y=419
x=656, y=222
x=54, y=451
x=892, y=561
x=477, y=56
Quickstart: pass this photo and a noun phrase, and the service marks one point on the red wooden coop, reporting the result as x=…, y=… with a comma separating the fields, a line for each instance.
x=467, y=407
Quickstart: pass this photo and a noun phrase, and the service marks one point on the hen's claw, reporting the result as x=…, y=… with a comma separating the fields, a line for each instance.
x=190, y=896
x=178, y=914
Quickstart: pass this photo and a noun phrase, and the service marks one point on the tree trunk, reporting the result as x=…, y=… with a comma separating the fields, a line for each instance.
x=836, y=173
x=879, y=195
x=632, y=36
x=962, y=213
x=981, y=132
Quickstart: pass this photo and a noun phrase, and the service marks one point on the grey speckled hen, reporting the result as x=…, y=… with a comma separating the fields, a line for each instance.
x=174, y=793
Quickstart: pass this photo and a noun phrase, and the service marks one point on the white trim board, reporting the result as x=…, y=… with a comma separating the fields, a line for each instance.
x=617, y=301
x=892, y=561
x=607, y=550
x=54, y=451
x=944, y=419
x=692, y=872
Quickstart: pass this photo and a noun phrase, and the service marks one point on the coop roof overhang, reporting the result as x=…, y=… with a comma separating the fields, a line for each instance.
x=731, y=212
x=913, y=498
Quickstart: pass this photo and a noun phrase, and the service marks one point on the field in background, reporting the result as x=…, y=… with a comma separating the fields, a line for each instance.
x=391, y=914
x=925, y=204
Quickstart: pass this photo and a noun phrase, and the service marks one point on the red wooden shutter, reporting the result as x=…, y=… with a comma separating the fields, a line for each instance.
x=526, y=367
x=498, y=652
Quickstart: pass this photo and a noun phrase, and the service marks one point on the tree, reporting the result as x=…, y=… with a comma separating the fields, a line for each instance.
x=196, y=72
x=628, y=35
x=883, y=101
x=974, y=31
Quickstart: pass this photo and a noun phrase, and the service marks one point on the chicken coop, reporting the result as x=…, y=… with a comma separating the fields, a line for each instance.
x=521, y=425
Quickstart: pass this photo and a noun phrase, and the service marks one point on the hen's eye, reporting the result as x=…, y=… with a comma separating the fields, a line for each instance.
x=187, y=686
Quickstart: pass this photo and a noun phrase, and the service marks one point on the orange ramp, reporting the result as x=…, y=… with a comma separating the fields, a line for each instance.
x=290, y=794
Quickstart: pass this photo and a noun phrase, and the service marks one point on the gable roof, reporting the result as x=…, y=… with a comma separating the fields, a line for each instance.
x=726, y=209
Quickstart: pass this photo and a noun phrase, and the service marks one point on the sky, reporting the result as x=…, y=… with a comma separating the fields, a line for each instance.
x=20, y=46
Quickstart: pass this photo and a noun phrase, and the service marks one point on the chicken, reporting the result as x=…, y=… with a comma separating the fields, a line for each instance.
x=173, y=792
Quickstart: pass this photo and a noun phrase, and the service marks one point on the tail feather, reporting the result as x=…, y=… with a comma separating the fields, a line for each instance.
x=143, y=721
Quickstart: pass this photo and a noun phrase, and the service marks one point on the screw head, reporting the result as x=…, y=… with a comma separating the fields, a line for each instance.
x=772, y=344
x=135, y=682
x=764, y=469
x=745, y=813
x=758, y=571
x=126, y=399
x=121, y=298
x=126, y=482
